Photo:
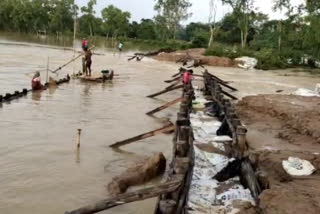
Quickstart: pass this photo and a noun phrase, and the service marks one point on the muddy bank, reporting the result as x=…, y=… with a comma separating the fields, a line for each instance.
x=281, y=126
x=197, y=54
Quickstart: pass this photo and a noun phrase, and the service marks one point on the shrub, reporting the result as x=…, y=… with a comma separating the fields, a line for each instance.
x=270, y=59
x=200, y=40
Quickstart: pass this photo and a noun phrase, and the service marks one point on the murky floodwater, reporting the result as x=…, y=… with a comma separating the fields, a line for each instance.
x=40, y=170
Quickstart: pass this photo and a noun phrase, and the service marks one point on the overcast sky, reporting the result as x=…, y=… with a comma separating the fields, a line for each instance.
x=200, y=8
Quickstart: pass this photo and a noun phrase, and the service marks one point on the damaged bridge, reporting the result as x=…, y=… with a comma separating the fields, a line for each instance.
x=211, y=170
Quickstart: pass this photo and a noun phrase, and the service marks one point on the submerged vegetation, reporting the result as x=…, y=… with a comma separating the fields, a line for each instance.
x=290, y=41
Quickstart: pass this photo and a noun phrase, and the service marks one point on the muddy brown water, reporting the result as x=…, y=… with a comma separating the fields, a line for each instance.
x=40, y=170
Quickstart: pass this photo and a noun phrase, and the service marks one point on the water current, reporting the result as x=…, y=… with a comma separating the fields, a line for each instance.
x=40, y=169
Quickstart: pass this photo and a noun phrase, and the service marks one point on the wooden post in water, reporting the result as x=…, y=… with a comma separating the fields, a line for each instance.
x=78, y=138
x=47, y=76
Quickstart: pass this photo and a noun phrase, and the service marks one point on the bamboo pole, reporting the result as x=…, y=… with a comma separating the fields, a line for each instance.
x=166, y=128
x=75, y=58
x=165, y=91
x=173, y=85
x=229, y=95
x=175, y=79
x=47, y=75
x=167, y=105
x=78, y=139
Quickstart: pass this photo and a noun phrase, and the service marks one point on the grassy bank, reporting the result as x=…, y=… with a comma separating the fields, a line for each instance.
x=268, y=58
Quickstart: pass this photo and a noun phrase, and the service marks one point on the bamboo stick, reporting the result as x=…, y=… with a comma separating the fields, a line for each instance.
x=75, y=58
x=175, y=79
x=173, y=85
x=165, y=91
x=167, y=105
x=166, y=128
x=229, y=95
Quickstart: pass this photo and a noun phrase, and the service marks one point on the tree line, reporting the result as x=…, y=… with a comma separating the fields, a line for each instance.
x=244, y=30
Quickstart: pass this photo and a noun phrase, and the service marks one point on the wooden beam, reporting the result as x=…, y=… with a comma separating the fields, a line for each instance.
x=227, y=86
x=177, y=74
x=229, y=95
x=167, y=105
x=165, y=91
x=166, y=128
x=139, y=195
x=175, y=79
x=173, y=85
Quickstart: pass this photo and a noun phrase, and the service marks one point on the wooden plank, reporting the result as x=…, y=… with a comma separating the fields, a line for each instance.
x=167, y=105
x=139, y=195
x=165, y=91
x=166, y=128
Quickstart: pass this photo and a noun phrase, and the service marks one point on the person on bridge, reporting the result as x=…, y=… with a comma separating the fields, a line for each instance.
x=36, y=82
x=88, y=61
x=187, y=76
x=84, y=44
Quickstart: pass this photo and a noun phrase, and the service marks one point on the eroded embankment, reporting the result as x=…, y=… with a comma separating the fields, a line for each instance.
x=282, y=126
x=197, y=54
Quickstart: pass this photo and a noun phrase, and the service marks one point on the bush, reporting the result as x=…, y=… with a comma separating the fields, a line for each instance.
x=200, y=40
x=222, y=50
x=270, y=59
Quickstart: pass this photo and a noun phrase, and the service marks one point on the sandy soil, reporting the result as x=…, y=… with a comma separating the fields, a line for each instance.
x=281, y=126
x=198, y=54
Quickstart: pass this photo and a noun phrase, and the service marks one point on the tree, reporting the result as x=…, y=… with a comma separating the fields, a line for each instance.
x=88, y=15
x=172, y=13
x=212, y=20
x=146, y=29
x=61, y=16
x=115, y=21
x=194, y=28
x=242, y=10
x=162, y=28
x=133, y=30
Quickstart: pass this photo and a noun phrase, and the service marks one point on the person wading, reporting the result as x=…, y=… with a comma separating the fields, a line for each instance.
x=87, y=61
x=36, y=82
x=120, y=46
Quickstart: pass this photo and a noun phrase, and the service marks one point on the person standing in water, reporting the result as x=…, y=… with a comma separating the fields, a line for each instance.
x=36, y=82
x=87, y=60
x=120, y=46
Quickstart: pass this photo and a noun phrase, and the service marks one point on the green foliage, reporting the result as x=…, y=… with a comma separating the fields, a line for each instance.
x=30, y=16
x=146, y=29
x=270, y=59
x=200, y=40
x=172, y=13
x=193, y=29
x=116, y=22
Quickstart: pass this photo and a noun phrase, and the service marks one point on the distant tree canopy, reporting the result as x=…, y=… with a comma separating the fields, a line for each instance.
x=298, y=31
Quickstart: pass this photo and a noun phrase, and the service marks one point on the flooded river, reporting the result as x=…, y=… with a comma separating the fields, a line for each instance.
x=40, y=170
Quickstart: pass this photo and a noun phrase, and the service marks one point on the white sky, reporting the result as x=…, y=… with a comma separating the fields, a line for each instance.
x=200, y=8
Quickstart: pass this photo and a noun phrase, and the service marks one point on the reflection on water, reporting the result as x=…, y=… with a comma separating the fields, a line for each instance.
x=36, y=95
x=78, y=155
x=41, y=171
